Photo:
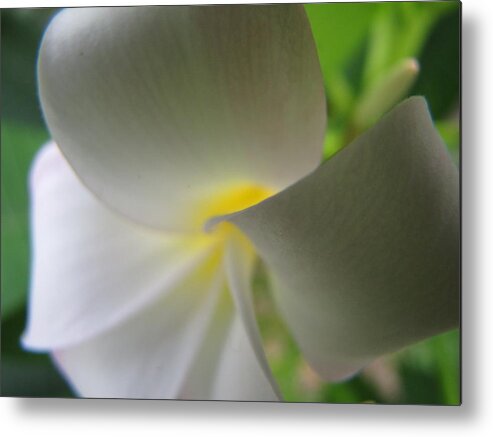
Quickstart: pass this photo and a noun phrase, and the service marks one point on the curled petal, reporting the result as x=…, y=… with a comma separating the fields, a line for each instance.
x=232, y=350
x=365, y=250
x=158, y=107
x=240, y=374
x=91, y=268
x=244, y=367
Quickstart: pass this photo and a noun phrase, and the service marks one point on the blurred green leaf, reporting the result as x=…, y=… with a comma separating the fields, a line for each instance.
x=21, y=31
x=359, y=44
x=439, y=79
x=23, y=373
x=446, y=354
x=430, y=371
x=450, y=132
x=339, y=30
x=19, y=145
x=354, y=391
x=398, y=31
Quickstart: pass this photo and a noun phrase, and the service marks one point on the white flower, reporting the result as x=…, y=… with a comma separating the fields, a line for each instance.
x=177, y=120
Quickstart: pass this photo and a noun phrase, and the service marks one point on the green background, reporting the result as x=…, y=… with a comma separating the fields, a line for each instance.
x=358, y=43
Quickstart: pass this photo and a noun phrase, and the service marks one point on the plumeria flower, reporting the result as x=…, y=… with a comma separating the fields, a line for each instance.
x=188, y=143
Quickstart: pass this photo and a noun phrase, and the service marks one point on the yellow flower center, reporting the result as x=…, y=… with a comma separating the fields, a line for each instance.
x=232, y=199
x=226, y=201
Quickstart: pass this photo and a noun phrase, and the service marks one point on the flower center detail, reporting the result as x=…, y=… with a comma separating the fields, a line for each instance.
x=207, y=217
x=235, y=198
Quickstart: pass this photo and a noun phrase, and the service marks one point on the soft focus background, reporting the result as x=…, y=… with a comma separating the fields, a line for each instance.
x=362, y=47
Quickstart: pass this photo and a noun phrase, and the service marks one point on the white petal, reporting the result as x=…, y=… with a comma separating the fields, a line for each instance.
x=365, y=250
x=232, y=364
x=150, y=356
x=200, y=379
x=244, y=368
x=240, y=376
x=156, y=107
x=92, y=269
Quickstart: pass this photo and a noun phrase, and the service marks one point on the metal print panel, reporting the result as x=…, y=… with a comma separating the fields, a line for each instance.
x=233, y=203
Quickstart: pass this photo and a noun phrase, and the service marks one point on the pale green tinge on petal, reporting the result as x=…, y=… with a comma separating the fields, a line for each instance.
x=232, y=351
x=91, y=268
x=156, y=107
x=365, y=250
x=249, y=360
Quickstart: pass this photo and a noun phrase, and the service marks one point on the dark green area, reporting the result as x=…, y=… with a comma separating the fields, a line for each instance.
x=19, y=145
x=21, y=35
x=22, y=133
x=26, y=374
x=439, y=80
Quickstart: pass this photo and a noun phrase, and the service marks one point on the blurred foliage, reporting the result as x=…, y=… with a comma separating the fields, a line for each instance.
x=22, y=133
x=361, y=47
x=21, y=34
x=363, y=50
x=19, y=144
